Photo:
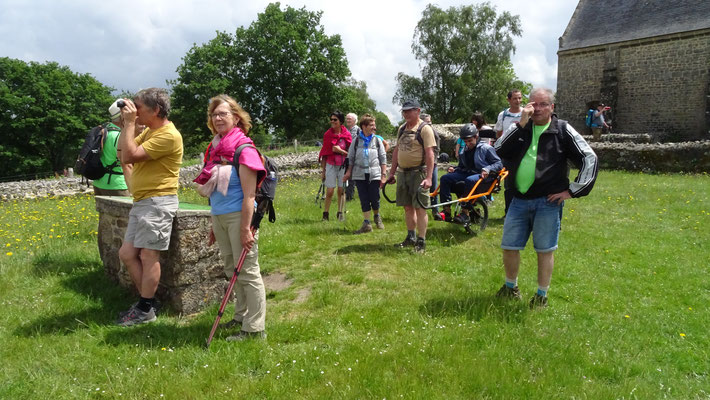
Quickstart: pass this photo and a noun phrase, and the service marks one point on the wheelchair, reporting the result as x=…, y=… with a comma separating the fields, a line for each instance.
x=474, y=200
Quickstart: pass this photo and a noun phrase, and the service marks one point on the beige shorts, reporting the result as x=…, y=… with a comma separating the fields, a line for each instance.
x=334, y=176
x=409, y=188
x=150, y=222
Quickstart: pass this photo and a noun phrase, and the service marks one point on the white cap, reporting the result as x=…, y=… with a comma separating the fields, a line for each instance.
x=114, y=111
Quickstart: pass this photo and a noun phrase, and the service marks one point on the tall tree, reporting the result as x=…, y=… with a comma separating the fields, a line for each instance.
x=45, y=112
x=283, y=69
x=465, y=52
x=353, y=97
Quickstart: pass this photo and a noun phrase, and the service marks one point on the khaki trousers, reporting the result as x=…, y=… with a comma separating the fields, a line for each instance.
x=250, y=296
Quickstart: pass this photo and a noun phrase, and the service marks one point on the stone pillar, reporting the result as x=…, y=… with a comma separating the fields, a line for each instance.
x=191, y=273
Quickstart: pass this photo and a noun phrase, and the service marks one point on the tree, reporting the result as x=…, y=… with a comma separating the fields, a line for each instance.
x=46, y=110
x=465, y=52
x=283, y=69
x=353, y=97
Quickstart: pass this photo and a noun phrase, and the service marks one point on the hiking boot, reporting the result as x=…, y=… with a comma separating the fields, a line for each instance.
x=538, y=301
x=419, y=246
x=407, y=242
x=229, y=324
x=325, y=216
x=365, y=228
x=378, y=222
x=447, y=215
x=437, y=216
x=244, y=335
x=462, y=219
x=340, y=216
x=508, y=292
x=135, y=316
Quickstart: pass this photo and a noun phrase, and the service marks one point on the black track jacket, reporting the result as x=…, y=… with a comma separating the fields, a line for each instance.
x=559, y=144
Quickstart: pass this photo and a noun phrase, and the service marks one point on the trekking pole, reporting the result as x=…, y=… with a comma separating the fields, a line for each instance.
x=321, y=195
x=343, y=202
x=222, y=306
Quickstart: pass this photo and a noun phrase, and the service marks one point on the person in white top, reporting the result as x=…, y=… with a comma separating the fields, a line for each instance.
x=506, y=118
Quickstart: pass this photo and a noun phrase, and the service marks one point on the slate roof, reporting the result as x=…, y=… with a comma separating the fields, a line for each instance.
x=598, y=22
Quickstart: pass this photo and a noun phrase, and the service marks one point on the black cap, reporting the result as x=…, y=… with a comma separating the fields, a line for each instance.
x=410, y=105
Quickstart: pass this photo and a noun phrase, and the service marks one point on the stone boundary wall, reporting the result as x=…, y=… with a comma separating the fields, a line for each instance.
x=616, y=151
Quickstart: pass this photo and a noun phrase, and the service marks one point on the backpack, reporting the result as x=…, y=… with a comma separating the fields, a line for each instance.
x=418, y=137
x=590, y=117
x=89, y=164
x=265, y=190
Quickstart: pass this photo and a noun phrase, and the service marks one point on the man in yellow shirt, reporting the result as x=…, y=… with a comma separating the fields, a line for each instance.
x=156, y=155
x=414, y=156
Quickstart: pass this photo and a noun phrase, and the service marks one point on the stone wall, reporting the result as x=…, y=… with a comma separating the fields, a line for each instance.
x=192, y=276
x=657, y=84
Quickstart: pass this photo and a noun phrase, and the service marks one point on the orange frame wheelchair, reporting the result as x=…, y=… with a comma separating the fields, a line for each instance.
x=474, y=200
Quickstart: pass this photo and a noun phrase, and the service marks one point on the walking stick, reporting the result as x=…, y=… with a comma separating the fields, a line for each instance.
x=237, y=268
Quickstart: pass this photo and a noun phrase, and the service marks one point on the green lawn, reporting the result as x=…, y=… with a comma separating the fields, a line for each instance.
x=627, y=315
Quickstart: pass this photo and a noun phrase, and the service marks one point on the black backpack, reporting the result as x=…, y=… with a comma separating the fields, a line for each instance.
x=266, y=190
x=88, y=164
x=418, y=137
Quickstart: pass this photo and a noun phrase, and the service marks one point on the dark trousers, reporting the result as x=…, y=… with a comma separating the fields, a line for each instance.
x=350, y=190
x=369, y=193
x=450, y=179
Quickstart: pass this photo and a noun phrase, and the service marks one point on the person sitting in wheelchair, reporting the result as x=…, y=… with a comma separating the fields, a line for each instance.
x=479, y=160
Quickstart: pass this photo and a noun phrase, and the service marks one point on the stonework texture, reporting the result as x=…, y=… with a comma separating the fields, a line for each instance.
x=192, y=276
x=655, y=85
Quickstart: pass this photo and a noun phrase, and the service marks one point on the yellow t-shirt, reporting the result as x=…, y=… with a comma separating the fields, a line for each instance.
x=409, y=151
x=158, y=176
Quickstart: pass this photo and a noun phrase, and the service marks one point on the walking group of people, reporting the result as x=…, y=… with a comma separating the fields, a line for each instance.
x=532, y=143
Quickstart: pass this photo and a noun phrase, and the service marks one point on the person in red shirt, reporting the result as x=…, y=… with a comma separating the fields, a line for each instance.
x=332, y=156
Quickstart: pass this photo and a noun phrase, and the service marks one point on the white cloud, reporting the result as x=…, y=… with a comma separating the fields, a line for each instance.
x=135, y=44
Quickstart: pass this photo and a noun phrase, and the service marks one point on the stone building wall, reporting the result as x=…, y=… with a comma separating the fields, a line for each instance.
x=656, y=85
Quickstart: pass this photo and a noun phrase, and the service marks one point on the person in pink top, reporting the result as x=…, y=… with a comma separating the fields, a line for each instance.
x=231, y=186
x=332, y=156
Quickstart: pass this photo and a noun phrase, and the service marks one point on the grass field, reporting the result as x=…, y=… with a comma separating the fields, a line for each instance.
x=627, y=317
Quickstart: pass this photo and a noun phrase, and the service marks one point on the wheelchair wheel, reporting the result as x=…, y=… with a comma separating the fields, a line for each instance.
x=479, y=217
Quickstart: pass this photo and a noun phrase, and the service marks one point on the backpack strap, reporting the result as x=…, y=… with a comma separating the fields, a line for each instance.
x=417, y=136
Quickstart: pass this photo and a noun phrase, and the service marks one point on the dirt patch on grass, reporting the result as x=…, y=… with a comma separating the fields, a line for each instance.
x=302, y=295
x=277, y=282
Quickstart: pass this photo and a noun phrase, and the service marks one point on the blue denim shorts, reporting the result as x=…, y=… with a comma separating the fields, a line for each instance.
x=537, y=216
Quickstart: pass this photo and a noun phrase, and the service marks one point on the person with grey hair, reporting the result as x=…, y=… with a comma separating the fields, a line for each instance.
x=538, y=149
x=351, y=126
x=156, y=155
x=114, y=182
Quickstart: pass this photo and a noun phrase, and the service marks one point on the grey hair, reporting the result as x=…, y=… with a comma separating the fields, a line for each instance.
x=546, y=91
x=155, y=98
x=352, y=115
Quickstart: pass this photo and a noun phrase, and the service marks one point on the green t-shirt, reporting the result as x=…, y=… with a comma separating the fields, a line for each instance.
x=525, y=176
x=108, y=157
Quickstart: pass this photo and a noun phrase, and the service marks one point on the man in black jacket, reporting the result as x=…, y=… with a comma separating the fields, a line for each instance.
x=537, y=150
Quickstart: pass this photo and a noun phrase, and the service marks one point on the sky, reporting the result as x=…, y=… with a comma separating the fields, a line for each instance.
x=131, y=44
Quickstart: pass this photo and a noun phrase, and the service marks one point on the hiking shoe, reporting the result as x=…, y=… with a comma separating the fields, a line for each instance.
x=378, y=222
x=325, y=216
x=244, y=335
x=365, y=228
x=157, y=306
x=340, y=216
x=437, y=216
x=462, y=219
x=229, y=324
x=538, y=301
x=508, y=292
x=419, y=246
x=135, y=316
x=407, y=242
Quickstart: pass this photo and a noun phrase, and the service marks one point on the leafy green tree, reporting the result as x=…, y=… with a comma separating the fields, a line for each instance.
x=283, y=69
x=354, y=98
x=465, y=52
x=45, y=112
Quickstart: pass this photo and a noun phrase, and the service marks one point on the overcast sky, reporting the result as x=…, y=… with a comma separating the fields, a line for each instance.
x=131, y=45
